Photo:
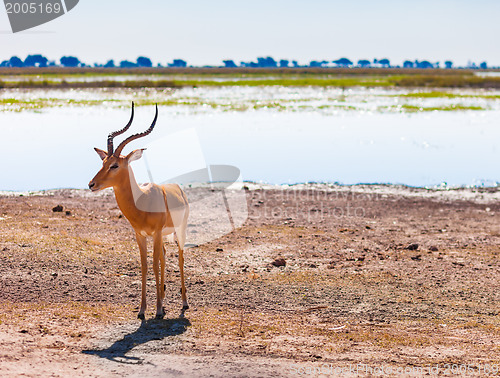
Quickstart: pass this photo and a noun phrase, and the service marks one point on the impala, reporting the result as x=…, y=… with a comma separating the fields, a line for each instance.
x=152, y=210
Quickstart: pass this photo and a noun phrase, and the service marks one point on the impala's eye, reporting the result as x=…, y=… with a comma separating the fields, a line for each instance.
x=114, y=166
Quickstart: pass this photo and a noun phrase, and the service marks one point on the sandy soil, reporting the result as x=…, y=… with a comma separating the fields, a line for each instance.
x=377, y=277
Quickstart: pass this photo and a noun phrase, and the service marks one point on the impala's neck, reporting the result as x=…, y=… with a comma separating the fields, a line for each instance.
x=127, y=192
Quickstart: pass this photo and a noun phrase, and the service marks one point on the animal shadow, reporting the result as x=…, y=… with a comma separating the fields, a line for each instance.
x=149, y=330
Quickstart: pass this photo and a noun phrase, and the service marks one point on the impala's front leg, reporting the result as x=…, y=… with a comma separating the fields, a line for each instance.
x=141, y=241
x=158, y=257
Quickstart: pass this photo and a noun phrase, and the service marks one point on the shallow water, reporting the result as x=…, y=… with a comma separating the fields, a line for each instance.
x=53, y=147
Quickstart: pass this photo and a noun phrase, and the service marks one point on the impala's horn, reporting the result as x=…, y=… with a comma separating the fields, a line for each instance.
x=119, y=132
x=136, y=136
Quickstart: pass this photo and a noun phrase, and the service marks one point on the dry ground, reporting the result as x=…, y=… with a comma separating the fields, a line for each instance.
x=377, y=276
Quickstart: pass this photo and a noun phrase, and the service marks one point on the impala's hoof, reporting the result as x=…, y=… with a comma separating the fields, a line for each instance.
x=185, y=307
x=160, y=314
x=141, y=316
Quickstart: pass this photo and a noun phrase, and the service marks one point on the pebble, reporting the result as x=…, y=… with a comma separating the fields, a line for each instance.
x=57, y=209
x=279, y=262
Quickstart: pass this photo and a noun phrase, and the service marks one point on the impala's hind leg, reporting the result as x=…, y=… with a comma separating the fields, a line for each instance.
x=159, y=259
x=181, y=239
x=185, y=305
x=180, y=219
x=163, y=273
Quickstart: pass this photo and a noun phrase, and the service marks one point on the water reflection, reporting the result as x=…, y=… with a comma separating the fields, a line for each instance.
x=54, y=148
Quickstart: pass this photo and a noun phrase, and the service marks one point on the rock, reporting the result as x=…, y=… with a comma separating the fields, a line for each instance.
x=68, y=212
x=433, y=248
x=219, y=250
x=416, y=258
x=54, y=274
x=412, y=247
x=57, y=209
x=279, y=262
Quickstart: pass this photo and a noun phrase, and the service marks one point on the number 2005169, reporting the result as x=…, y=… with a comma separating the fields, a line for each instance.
x=33, y=8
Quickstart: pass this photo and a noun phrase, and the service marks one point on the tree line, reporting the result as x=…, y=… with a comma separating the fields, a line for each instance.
x=38, y=60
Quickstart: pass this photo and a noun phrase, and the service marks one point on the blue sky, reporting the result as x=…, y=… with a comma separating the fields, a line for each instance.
x=206, y=32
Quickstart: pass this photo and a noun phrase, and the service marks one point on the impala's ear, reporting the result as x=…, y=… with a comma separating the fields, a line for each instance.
x=102, y=154
x=135, y=155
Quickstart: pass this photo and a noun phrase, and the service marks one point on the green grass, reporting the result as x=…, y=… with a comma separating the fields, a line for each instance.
x=438, y=94
x=299, y=81
x=432, y=94
x=193, y=77
x=448, y=81
x=413, y=108
x=17, y=105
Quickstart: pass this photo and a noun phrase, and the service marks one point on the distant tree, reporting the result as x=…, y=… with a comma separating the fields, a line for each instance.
x=229, y=63
x=178, y=63
x=70, y=61
x=109, y=64
x=142, y=61
x=483, y=65
x=284, y=63
x=424, y=64
x=364, y=63
x=127, y=64
x=15, y=62
x=295, y=63
x=36, y=60
x=266, y=62
x=448, y=64
x=342, y=62
x=315, y=63
x=408, y=64
x=384, y=62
